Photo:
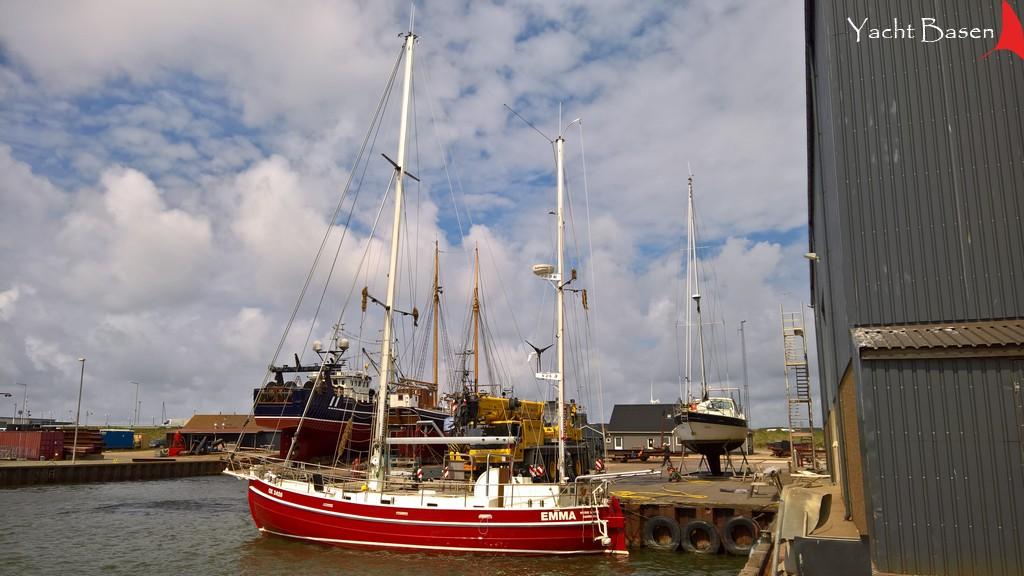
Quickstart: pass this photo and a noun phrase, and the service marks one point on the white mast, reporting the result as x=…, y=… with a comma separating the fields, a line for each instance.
x=696, y=292
x=378, y=449
x=688, y=375
x=556, y=275
x=559, y=285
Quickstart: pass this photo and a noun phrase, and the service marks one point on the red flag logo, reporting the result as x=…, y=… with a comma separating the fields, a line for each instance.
x=1012, y=37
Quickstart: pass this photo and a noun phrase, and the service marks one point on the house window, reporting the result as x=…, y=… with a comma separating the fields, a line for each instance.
x=618, y=442
x=650, y=443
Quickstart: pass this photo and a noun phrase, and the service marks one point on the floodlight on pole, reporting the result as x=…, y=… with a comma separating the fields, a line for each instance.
x=24, y=402
x=78, y=412
x=135, y=422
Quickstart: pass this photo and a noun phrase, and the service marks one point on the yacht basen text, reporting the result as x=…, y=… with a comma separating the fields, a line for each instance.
x=928, y=31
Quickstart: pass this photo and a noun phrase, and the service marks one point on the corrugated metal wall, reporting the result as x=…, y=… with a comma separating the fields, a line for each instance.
x=929, y=144
x=944, y=465
x=916, y=189
x=829, y=272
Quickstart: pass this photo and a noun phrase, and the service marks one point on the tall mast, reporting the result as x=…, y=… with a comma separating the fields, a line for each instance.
x=476, y=320
x=696, y=293
x=746, y=382
x=437, y=315
x=688, y=374
x=378, y=451
x=559, y=285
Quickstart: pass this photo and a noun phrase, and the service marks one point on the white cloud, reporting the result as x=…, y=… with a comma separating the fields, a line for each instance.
x=247, y=334
x=8, y=298
x=127, y=249
x=168, y=170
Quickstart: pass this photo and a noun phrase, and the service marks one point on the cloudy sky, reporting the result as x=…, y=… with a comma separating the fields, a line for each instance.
x=168, y=171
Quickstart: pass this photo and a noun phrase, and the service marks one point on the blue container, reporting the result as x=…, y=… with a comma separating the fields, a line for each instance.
x=118, y=439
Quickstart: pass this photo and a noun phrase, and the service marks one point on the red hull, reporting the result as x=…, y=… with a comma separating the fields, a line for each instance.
x=487, y=530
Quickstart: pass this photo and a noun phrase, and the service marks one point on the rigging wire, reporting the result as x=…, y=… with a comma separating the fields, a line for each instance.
x=469, y=214
x=309, y=276
x=379, y=117
x=592, y=301
x=381, y=106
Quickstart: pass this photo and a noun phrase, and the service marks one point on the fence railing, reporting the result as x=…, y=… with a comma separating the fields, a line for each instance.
x=342, y=480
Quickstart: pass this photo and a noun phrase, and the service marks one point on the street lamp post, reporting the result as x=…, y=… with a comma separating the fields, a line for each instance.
x=78, y=412
x=135, y=422
x=24, y=402
x=746, y=386
x=15, y=413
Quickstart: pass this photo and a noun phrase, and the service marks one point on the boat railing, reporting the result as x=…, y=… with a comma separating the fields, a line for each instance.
x=510, y=493
x=258, y=465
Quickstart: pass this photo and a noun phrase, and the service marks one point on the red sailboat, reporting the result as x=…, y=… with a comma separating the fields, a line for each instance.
x=482, y=507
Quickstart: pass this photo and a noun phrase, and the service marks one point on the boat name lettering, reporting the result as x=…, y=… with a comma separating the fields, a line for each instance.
x=275, y=492
x=557, y=515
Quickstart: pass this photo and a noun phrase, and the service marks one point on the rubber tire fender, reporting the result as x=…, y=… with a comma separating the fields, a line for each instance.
x=656, y=528
x=695, y=527
x=729, y=540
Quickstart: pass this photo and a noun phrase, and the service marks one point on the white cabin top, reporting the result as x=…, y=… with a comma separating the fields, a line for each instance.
x=721, y=406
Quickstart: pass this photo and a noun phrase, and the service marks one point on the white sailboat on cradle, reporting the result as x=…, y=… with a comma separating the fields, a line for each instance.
x=710, y=426
x=498, y=511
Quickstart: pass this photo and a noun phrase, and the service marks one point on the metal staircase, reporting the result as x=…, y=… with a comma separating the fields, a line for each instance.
x=798, y=390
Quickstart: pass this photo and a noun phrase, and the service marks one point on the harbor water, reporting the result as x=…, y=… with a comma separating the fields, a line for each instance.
x=202, y=526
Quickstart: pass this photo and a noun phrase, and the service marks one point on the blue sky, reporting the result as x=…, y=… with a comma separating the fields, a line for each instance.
x=169, y=169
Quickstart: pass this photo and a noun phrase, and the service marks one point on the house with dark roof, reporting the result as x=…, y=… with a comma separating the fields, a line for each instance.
x=641, y=426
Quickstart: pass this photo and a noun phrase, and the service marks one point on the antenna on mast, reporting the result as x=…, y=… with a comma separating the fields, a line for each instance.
x=528, y=123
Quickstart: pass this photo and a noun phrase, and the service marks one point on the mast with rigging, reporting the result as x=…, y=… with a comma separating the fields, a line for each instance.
x=556, y=275
x=476, y=320
x=691, y=233
x=378, y=450
x=437, y=317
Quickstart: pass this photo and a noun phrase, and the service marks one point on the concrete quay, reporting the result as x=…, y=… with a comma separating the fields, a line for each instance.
x=113, y=467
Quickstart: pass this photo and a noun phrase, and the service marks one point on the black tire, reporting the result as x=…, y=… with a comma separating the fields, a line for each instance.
x=700, y=537
x=661, y=533
x=739, y=535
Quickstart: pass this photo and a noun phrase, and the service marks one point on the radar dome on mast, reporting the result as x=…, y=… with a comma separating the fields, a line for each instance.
x=543, y=269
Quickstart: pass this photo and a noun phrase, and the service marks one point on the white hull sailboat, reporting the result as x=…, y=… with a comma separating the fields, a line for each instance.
x=710, y=426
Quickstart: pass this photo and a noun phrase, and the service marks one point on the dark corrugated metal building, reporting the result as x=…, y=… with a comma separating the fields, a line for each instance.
x=916, y=190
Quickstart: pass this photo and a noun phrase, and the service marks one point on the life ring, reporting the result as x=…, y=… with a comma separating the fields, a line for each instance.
x=661, y=533
x=700, y=537
x=739, y=535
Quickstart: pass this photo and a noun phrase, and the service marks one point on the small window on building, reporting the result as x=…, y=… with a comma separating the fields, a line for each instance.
x=650, y=443
x=618, y=442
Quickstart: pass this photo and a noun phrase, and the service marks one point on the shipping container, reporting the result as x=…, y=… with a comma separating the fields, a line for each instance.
x=32, y=445
x=118, y=439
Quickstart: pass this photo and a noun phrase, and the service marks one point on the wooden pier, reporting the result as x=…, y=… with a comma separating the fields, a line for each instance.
x=698, y=513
